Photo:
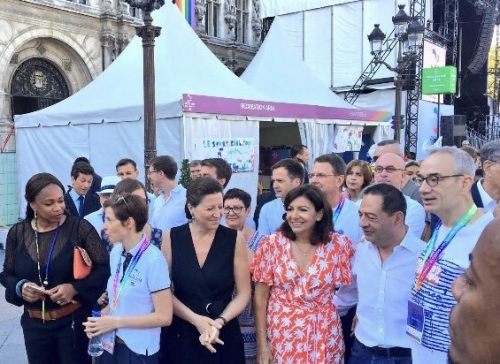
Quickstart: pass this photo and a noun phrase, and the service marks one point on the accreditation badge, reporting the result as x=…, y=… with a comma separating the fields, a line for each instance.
x=415, y=321
x=108, y=341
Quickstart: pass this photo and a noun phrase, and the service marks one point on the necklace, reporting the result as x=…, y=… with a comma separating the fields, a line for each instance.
x=45, y=282
x=304, y=253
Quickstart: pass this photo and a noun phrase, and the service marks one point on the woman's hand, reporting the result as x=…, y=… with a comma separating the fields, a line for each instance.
x=203, y=324
x=96, y=326
x=211, y=337
x=62, y=294
x=103, y=300
x=264, y=355
x=31, y=292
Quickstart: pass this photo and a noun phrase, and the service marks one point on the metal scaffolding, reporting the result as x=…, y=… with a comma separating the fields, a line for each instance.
x=371, y=69
x=417, y=12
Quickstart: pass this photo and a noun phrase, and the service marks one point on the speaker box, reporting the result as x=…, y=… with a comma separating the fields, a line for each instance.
x=452, y=129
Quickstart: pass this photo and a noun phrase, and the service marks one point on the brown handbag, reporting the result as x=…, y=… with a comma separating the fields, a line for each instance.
x=82, y=264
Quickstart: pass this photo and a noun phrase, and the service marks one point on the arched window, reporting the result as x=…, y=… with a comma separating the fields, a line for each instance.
x=36, y=85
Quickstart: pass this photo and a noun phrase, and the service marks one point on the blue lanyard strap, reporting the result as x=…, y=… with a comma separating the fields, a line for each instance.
x=338, y=210
x=431, y=256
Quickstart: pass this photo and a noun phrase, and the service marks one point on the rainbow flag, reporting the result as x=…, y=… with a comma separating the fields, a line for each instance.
x=187, y=8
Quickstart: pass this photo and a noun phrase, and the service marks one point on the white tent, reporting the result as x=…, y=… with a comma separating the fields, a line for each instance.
x=279, y=73
x=103, y=121
x=199, y=102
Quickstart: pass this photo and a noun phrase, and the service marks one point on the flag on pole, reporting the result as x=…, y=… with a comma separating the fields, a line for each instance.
x=187, y=9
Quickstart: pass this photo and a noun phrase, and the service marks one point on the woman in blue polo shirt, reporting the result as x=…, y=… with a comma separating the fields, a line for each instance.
x=140, y=301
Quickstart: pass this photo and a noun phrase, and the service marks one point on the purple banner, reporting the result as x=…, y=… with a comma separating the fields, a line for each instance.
x=226, y=106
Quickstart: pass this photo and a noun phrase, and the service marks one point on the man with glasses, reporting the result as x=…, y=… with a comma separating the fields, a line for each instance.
x=445, y=178
x=286, y=175
x=168, y=208
x=328, y=173
x=408, y=186
x=389, y=168
x=486, y=191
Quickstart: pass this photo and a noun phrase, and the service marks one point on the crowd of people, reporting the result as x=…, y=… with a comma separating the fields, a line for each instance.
x=355, y=263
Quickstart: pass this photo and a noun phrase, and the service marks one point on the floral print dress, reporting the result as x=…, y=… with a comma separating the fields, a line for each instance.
x=303, y=325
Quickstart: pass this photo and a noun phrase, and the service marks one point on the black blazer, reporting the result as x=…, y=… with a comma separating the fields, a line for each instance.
x=90, y=204
x=476, y=196
x=96, y=184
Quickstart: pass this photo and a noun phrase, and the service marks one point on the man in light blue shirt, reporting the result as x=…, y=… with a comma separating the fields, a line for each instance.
x=127, y=168
x=286, y=175
x=96, y=218
x=328, y=173
x=389, y=168
x=169, y=206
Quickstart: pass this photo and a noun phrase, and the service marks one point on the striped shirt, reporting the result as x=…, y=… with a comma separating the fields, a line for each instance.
x=435, y=295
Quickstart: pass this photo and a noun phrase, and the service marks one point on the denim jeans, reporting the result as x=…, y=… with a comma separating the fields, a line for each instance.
x=361, y=355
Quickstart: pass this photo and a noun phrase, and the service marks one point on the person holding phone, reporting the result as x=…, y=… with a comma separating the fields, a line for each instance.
x=38, y=274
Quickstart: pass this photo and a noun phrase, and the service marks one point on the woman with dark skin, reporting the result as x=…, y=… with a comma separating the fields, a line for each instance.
x=38, y=274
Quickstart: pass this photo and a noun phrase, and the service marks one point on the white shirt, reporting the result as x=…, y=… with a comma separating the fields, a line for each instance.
x=96, y=218
x=415, y=216
x=170, y=212
x=348, y=222
x=381, y=292
x=271, y=217
x=149, y=275
x=488, y=203
x=435, y=295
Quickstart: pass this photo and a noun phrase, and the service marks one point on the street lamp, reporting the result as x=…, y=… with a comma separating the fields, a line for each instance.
x=409, y=35
x=148, y=32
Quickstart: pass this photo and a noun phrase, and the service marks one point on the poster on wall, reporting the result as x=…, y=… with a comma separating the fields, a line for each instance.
x=238, y=152
x=427, y=125
x=347, y=138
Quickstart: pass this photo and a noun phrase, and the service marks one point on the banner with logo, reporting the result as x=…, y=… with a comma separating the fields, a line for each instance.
x=238, y=152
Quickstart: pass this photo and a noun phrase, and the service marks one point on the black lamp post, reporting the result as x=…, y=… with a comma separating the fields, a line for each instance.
x=409, y=36
x=148, y=32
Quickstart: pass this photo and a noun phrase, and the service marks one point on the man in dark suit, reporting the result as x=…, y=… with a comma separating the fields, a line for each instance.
x=486, y=191
x=79, y=201
x=95, y=187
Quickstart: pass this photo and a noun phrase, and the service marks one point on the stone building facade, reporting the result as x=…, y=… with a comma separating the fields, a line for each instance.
x=50, y=49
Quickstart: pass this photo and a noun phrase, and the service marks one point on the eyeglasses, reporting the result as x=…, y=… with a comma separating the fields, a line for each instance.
x=151, y=172
x=320, y=175
x=433, y=179
x=119, y=198
x=235, y=209
x=389, y=169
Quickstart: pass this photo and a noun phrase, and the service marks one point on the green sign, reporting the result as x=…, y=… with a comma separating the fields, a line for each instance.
x=439, y=80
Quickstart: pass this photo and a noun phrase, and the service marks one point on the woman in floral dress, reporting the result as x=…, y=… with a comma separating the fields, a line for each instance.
x=296, y=271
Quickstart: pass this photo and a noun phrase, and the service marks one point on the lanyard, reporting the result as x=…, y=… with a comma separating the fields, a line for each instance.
x=338, y=210
x=117, y=290
x=431, y=256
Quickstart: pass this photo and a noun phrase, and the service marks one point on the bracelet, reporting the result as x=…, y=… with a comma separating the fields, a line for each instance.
x=223, y=320
x=19, y=287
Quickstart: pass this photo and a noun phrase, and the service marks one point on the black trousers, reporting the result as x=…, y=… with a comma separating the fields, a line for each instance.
x=346, y=331
x=60, y=341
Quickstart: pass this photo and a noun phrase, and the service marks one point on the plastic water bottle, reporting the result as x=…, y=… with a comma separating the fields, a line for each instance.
x=95, y=344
